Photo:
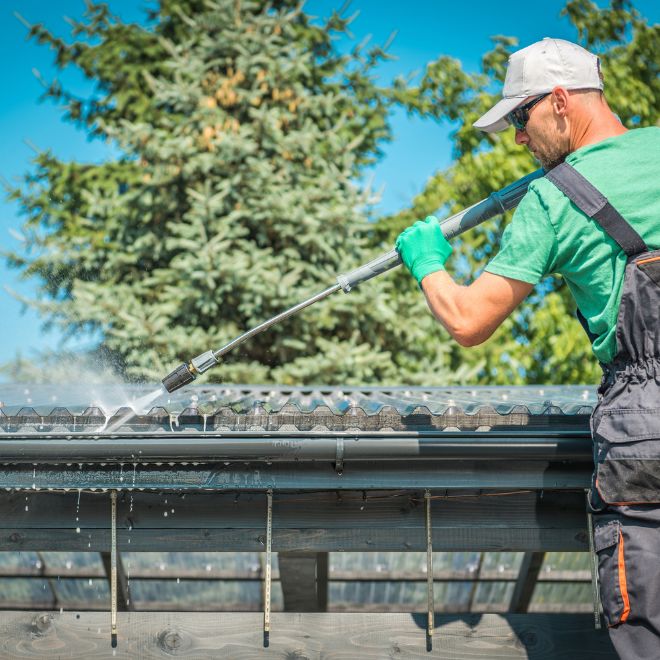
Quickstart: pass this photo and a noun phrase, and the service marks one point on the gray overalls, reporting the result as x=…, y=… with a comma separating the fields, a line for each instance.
x=625, y=425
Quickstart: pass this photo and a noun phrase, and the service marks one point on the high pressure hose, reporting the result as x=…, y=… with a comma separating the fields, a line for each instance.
x=496, y=203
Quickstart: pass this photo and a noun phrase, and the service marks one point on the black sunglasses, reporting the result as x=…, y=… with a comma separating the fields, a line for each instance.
x=519, y=117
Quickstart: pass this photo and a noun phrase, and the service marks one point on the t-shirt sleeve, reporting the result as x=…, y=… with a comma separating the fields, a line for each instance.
x=529, y=243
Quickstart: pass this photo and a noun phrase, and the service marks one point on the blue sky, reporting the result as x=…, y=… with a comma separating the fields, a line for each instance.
x=425, y=29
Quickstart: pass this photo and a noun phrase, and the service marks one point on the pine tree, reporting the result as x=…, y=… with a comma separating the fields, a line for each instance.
x=542, y=342
x=242, y=132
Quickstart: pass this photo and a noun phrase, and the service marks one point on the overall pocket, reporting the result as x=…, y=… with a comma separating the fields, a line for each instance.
x=628, y=455
x=610, y=547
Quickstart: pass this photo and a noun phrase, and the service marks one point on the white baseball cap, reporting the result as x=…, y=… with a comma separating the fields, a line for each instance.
x=536, y=70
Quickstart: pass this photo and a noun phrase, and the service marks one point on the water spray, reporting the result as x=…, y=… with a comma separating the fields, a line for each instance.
x=496, y=203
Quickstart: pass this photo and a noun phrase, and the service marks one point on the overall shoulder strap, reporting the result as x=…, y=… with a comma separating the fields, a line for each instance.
x=592, y=202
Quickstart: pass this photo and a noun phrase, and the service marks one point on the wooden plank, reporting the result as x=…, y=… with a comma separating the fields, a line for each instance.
x=314, y=636
x=448, y=539
x=101, y=605
x=384, y=509
x=518, y=521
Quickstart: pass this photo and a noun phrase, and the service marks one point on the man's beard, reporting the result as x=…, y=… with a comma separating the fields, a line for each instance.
x=550, y=156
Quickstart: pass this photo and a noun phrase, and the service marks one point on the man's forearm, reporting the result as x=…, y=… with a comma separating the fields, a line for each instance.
x=472, y=313
x=447, y=301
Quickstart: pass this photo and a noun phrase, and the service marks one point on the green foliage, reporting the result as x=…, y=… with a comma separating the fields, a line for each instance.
x=542, y=342
x=242, y=131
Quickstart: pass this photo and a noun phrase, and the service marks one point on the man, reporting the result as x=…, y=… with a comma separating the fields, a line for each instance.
x=594, y=219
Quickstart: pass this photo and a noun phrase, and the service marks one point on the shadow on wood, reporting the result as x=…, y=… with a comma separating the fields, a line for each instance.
x=312, y=636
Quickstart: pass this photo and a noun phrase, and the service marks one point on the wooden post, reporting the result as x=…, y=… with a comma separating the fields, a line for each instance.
x=527, y=578
x=304, y=580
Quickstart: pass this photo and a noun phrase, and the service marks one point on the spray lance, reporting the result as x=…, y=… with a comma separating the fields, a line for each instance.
x=497, y=202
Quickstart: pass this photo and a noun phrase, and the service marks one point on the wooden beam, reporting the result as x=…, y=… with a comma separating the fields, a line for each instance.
x=321, y=522
x=304, y=578
x=328, y=636
x=322, y=572
x=526, y=583
x=43, y=572
x=103, y=605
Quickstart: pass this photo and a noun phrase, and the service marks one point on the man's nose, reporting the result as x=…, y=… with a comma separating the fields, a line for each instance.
x=521, y=137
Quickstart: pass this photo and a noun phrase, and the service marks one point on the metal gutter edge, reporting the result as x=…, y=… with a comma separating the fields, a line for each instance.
x=575, y=447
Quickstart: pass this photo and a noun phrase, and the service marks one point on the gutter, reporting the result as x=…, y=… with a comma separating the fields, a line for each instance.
x=574, y=446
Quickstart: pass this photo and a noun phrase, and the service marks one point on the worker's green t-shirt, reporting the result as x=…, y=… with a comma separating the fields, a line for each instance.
x=548, y=234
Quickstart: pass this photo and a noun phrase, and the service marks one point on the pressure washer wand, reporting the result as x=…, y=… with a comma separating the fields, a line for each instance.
x=497, y=202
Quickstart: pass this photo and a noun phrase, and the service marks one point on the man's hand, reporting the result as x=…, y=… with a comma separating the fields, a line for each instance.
x=423, y=248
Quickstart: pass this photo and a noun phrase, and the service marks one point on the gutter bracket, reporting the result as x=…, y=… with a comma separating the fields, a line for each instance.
x=430, y=605
x=267, y=577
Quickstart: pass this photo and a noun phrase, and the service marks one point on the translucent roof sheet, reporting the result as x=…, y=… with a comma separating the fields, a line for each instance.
x=378, y=581
x=114, y=408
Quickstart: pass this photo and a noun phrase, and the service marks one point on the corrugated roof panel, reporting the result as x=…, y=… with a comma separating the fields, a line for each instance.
x=116, y=409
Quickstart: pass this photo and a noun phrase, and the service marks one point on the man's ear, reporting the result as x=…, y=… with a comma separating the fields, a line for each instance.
x=560, y=99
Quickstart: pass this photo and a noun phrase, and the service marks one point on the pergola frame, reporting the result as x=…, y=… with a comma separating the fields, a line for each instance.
x=512, y=490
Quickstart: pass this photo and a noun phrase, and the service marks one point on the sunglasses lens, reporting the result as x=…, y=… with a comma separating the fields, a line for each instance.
x=518, y=118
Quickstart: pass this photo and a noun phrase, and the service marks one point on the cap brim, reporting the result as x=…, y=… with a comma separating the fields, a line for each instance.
x=494, y=120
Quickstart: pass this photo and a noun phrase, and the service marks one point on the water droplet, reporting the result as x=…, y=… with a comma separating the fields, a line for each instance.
x=77, y=530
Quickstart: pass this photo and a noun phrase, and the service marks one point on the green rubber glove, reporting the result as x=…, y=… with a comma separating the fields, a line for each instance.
x=423, y=248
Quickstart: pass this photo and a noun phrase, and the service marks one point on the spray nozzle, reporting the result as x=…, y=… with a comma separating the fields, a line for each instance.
x=186, y=373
